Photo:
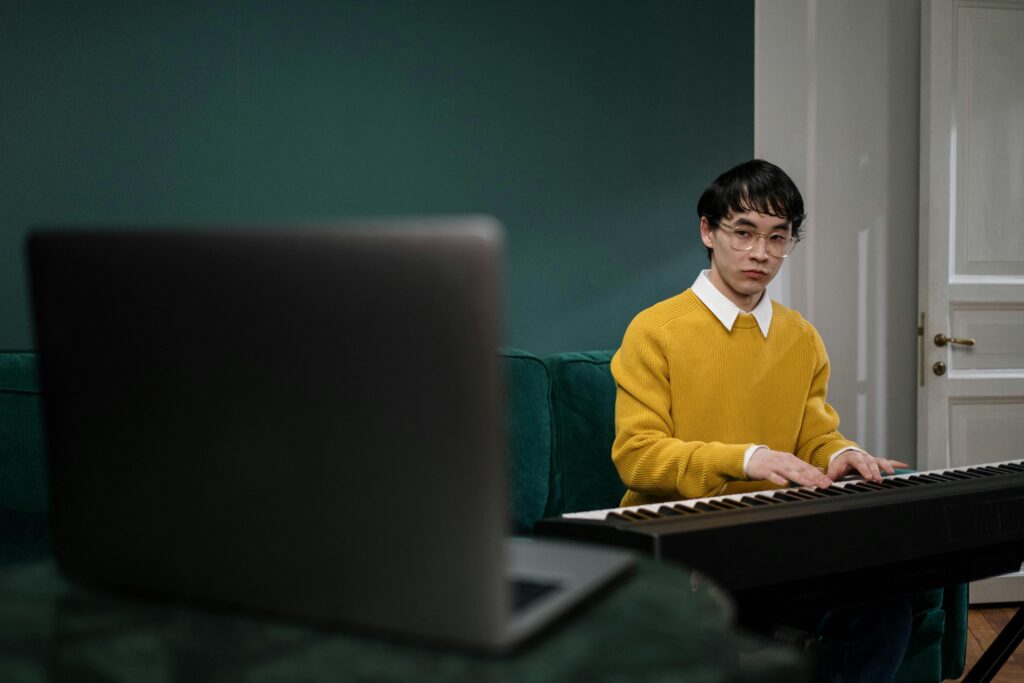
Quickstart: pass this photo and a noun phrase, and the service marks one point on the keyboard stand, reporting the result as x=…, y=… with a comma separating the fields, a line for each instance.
x=993, y=658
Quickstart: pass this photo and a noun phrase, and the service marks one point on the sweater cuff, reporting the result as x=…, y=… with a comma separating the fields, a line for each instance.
x=732, y=462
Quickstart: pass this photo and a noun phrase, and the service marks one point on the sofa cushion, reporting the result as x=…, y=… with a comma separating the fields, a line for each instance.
x=528, y=431
x=583, y=412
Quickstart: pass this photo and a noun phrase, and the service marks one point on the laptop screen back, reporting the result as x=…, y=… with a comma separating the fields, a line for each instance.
x=301, y=421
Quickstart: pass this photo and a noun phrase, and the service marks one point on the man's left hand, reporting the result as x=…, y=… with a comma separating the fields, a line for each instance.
x=864, y=464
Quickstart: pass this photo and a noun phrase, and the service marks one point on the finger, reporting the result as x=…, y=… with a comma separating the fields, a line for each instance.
x=899, y=464
x=874, y=474
x=864, y=468
x=810, y=476
x=886, y=465
x=837, y=470
x=777, y=479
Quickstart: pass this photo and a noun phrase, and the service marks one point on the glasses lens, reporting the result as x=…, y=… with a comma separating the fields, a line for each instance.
x=780, y=245
x=776, y=244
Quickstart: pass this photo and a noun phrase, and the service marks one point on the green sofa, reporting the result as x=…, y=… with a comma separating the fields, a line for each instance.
x=569, y=445
x=560, y=428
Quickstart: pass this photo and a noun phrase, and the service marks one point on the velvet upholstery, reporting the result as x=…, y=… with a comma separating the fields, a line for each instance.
x=24, y=513
x=583, y=413
x=528, y=432
x=22, y=465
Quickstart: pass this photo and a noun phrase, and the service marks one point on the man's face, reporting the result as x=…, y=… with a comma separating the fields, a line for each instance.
x=743, y=275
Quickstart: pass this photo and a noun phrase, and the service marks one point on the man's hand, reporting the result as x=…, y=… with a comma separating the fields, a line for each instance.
x=781, y=468
x=864, y=464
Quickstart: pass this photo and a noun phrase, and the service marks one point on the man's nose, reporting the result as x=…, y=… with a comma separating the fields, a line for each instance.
x=759, y=251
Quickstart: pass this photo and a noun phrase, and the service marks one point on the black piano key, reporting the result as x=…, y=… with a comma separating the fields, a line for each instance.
x=616, y=517
x=704, y=506
x=684, y=509
x=669, y=511
x=633, y=516
x=767, y=499
x=850, y=488
x=786, y=497
x=800, y=495
x=729, y=502
x=987, y=471
x=831, y=491
x=754, y=500
x=1016, y=467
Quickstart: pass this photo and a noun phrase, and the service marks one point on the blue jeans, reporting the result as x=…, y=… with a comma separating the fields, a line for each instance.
x=863, y=643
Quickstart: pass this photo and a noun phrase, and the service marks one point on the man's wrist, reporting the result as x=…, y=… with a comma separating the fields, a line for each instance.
x=747, y=454
x=843, y=450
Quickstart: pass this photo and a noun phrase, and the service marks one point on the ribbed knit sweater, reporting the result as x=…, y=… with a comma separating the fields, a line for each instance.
x=692, y=396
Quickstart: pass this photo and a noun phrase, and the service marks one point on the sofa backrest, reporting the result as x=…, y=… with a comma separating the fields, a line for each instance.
x=22, y=461
x=528, y=436
x=560, y=415
x=583, y=412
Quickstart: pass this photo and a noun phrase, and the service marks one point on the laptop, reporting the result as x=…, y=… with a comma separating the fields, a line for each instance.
x=300, y=421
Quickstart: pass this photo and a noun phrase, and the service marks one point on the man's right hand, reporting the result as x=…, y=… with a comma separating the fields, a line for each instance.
x=781, y=468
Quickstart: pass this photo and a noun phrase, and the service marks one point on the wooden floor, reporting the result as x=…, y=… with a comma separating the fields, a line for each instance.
x=982, y=626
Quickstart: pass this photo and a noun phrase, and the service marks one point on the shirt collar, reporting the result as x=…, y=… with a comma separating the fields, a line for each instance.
x=725, y=310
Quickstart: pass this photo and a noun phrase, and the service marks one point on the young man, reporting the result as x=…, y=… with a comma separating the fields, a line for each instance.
x=721, y=390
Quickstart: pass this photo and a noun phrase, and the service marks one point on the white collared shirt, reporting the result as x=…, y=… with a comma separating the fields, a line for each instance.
x=727, y=312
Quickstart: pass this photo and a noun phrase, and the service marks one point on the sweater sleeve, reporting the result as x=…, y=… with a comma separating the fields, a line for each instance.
x=819, y=431
x=650, y=460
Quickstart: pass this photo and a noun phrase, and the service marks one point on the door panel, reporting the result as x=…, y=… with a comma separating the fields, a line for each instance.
x=971, y=398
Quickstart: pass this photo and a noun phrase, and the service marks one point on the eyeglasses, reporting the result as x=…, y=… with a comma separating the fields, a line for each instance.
x=777, y=244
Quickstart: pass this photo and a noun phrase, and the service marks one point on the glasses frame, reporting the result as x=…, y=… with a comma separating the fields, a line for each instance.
x=793, y=240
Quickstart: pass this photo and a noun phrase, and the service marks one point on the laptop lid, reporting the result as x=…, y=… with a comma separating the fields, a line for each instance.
x=304, y=421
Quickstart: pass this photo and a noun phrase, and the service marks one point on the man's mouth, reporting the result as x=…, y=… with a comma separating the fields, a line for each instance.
x=755, y=274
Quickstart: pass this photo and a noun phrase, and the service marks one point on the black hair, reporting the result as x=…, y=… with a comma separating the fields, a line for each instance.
x=755, y=185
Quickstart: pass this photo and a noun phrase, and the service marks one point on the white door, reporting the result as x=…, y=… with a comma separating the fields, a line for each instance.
x=971, y=398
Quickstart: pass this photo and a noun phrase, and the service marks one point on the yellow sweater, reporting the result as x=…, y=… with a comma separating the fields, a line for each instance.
x=693, y=396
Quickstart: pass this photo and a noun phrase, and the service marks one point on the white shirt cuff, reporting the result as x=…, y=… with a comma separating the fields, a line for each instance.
x=843, y=450
x=746, y=457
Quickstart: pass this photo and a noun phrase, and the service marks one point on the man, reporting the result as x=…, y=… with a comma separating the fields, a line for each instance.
x=721, y=390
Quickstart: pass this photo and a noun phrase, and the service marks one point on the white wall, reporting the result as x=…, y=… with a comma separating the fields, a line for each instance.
x=836, y=104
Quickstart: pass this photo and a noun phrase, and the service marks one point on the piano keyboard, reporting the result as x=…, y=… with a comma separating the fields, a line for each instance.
x=851, y=486
x=908, y=532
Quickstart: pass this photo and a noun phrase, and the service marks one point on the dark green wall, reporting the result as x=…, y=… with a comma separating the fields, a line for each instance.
x=589, y=128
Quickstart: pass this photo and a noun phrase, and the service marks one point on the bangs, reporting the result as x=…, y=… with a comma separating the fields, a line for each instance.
x=761, y=203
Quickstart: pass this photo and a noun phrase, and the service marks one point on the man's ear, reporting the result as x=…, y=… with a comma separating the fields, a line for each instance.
x=705, y=232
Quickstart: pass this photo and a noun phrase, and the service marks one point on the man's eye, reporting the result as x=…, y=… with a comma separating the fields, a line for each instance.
x=779, y=238
x=744, y=234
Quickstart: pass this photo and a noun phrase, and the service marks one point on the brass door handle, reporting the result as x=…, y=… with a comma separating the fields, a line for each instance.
x=942, y=340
